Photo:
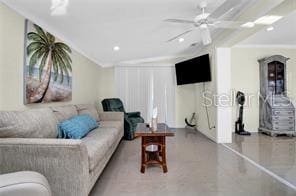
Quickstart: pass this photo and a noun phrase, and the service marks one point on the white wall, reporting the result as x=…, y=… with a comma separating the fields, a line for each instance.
x=245, y=78
x=90, y=82
x=185, y=103
x=224, y=110
x=214, y=96
x=106, y=84
x=208, y=130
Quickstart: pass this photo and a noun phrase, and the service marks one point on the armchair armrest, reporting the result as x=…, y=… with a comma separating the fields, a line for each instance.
x=64, y=162
x=134, y=114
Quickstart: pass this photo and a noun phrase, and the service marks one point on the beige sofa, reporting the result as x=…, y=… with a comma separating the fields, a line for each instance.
x=70, y=166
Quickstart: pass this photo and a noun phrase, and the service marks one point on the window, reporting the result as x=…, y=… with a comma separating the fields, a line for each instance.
x=136, y=86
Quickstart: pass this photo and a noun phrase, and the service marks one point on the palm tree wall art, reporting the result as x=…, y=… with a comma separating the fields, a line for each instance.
x=48, y=70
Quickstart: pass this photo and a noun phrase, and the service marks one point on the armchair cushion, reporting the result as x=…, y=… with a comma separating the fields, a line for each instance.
x=131, y=119
x=134, y=114
x=113, y=104
x=136, y=120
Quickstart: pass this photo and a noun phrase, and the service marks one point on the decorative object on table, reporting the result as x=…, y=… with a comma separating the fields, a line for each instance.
x=239, y=125
x=47, y=67
x=153, y=145
x=154, y=120
x=277, y=113
x=131, y=119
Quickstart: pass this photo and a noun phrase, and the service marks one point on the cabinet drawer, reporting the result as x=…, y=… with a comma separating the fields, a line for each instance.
x=283, y=123
x=283, y=128
x=283, y=118
x=282, y=112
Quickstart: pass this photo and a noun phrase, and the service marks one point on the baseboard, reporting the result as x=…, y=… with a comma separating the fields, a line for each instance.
x=211, y=137
x=179, y=127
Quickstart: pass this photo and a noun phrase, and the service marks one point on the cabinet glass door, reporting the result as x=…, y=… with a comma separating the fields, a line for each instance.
x=276, y=78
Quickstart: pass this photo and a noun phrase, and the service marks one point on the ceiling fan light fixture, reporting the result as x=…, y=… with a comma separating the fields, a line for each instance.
x=203, y=26
x=206, y=36
x=201, y=16
x=248, y=25
x=268, y=19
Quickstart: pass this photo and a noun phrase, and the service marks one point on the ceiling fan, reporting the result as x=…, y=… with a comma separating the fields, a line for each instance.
x=205, y=20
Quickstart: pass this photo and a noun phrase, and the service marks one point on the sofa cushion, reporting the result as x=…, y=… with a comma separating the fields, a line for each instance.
x=64, y=112
x=112, y=124
x=35, y=123
x=77, y=127
x=98, y=142
x=89, y=109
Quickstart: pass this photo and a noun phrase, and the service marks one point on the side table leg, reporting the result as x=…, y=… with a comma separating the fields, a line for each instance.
x=143, y=156
x=163, y=154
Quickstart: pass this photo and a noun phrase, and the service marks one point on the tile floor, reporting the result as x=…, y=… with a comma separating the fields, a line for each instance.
x=277, y=154
x=196, y=166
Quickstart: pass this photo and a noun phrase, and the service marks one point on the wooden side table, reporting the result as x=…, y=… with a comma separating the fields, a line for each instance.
x=153, y=147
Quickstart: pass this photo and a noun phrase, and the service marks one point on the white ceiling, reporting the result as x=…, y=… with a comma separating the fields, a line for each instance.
x=94, y=27
x=284, y=34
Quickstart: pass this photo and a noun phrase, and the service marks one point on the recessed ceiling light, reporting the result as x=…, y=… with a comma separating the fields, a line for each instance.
x=248, y=25
x=270, y=29
x=116, y=48
x=267, y=20
x=181, y=39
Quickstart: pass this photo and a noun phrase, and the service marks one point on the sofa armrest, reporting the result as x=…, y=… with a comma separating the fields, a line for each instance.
x=111, y=116
x=64, y=162
x=24, y=183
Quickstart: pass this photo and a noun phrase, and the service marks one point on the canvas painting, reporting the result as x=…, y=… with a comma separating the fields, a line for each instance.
x=48, y=67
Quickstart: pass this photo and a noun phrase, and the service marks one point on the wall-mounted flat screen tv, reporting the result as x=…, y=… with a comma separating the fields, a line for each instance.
x=194, y=70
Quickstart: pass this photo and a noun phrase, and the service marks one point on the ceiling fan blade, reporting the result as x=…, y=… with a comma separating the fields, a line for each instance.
x=226, y=24
x=224, y=8
x=205, y=36
x=179, y=21
x=173, y=38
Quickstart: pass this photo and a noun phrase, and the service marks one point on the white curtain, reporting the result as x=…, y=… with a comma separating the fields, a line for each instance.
x=134, y=86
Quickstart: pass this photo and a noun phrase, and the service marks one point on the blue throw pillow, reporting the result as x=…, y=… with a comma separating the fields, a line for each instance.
x=76, y=127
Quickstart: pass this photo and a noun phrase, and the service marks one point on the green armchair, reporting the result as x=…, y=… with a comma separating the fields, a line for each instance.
x=131, y=119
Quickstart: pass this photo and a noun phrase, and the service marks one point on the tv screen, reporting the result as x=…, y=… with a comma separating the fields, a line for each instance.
x=194, y=70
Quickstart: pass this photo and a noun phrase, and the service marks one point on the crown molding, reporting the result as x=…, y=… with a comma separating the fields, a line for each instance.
x=283, y=46
x=163, y=60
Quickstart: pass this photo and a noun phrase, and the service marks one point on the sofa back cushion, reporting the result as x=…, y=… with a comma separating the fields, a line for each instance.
x=35, y=123
x=64, y=112
x=89, y=109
